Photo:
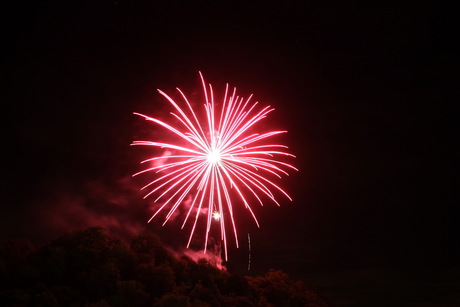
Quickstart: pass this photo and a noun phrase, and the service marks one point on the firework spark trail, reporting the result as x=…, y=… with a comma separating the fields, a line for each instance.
x=249, y=252
x=219, y=155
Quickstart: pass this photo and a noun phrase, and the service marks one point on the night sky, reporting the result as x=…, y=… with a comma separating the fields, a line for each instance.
x=366, y=92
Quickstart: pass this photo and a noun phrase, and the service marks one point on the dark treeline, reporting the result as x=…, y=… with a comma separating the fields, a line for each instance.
x=90, y=268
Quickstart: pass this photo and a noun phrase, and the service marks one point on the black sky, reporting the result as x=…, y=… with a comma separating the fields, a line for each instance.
x=366, y=92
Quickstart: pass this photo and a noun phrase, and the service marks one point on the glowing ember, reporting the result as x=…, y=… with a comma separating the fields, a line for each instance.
x=218, y=160
x=216, y=215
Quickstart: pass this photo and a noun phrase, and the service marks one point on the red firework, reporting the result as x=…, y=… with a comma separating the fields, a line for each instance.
x=214, y=156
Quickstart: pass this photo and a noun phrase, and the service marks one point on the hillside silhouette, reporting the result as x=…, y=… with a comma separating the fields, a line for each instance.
x=91, y=268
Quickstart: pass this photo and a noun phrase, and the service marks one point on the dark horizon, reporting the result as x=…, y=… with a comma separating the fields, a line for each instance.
x=366, y=92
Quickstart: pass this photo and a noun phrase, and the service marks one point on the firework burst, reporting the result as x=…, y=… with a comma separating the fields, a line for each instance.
x=219, y=161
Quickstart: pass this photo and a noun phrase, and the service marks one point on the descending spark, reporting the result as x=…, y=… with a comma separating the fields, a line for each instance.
x=216, y=215
x=220, y=162
x=249, y=253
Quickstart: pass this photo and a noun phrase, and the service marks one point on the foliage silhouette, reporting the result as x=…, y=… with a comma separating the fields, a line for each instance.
x=91, y=268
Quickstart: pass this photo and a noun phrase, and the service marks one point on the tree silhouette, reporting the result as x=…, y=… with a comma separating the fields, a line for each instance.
x=91, y=268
